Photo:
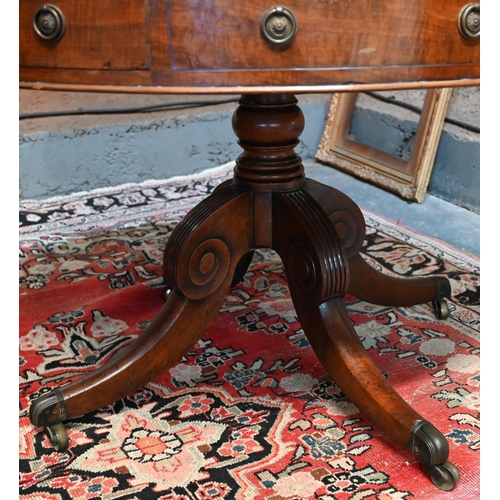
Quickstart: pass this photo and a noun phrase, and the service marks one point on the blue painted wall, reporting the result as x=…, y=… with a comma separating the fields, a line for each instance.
x=456, y=174
x=65, y=161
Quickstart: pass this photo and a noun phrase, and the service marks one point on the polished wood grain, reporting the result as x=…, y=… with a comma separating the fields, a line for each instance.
x=342, y=34
x=200, y=261
x=104, y=35
x=337, y=345
x=216, y=46
x=317, y=231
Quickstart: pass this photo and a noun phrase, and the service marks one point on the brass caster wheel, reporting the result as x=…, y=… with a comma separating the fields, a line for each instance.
x=440, y=309
x=445, y=476
x=167, y=293
x=58, y=436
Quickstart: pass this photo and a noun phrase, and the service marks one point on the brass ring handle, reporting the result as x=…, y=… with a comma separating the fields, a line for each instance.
x=278, y=26
x=468, y=21
x=49, y=23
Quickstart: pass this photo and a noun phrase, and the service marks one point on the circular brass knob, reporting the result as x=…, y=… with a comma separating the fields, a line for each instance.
x=468, y=21
x=278, y=26
x=48, y=22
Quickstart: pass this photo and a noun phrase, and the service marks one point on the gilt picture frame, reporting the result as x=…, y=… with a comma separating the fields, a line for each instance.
x=407, y=177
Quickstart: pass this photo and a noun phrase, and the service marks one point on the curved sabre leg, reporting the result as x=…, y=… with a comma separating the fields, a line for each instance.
x=200, y=261
x=335, y=342
x=366, y=283
x=178, y=326
x=318, y=274
x=370, y=285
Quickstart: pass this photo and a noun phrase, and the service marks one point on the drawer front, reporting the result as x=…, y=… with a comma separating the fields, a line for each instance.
x=99, y=34
x=226, y=35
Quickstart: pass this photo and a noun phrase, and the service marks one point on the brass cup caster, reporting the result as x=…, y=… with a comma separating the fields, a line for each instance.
x=443, y=291
x=431, y=447
x=444, y=476
x=441, y=310
x=58, y=436
x=48, y=411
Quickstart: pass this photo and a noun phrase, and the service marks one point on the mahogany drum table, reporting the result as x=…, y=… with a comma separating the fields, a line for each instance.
x=267, y=53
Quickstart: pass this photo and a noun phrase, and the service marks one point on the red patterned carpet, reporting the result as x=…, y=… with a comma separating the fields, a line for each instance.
x=249, y=413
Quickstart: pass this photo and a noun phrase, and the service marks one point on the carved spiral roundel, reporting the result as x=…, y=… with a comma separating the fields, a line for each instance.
x=207, y=268
x=303, y=270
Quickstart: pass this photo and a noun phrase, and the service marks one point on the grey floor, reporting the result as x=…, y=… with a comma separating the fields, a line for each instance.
x=434, y=217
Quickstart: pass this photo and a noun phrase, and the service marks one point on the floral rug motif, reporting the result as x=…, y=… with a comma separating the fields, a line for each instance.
x=249, y=412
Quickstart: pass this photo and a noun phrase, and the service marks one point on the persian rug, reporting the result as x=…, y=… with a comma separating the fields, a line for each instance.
x=249, y=412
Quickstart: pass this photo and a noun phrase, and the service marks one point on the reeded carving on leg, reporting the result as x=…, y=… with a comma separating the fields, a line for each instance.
x=311, y=250
x=200, y=261
x=366, y=283
x=343, y=213
x=208, y=244
x=317, y=271
x=318, y=232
